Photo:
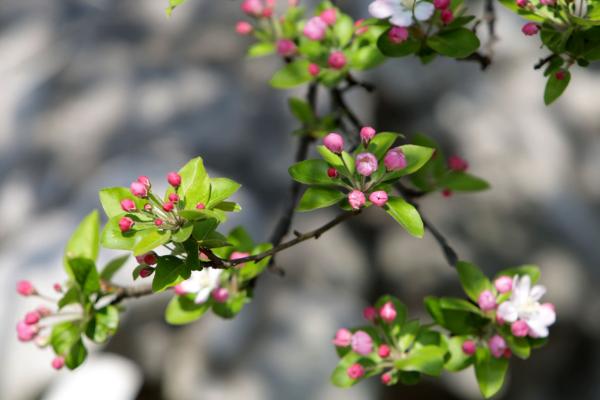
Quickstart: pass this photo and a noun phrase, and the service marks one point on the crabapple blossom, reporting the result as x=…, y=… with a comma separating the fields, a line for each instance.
x=58, y=362
x=57, y=287
x=343, y=338
x=530, y=29
x=522, y=3
x=168, y=206
x=503, y=284
x=146, y=272
x=253, y=8
x=32, y=317
x=174, y=179
x=441, y=4
x=560, y=75
x=357, y=199
x=329, y=16
x=286, y=47
x=469, y=347
x=200, y=206
x=366, y=164
x=356, y=371
x=394, y=159
x=337, y=60
x=26, y=332
x=315, y=28
x=486, y=300
x=447, y=16
x=201, y=284
x=384, y=351
x=456, y=163
x=148, y=207
x=548, y=2
x=334, y=142
x=370, y=313
x=398, y=34
x=388, y=312
x=44, y=311
x=125, y=224
x=386, y=378
x=243, y=28
x=158, y=222
x=25, y=288
x=236, y=255
x=366, y=134
x=313, y=69
x=362, y=343
x=128, y=205
x=519, y=328
x=220, y=295
x=173, y=197
x=144, y=180
x=497, y=345
x=332, y=172
x=379, y=198
x=149, y=258
x=138, y=189
x=401, y=12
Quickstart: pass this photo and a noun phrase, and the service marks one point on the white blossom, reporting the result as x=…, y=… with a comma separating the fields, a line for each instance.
x=401, y=12
x=202, y=283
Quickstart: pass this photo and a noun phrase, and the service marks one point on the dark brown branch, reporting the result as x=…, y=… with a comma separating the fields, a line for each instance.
x=483, y=60
x=544, y=61
x=127, y=292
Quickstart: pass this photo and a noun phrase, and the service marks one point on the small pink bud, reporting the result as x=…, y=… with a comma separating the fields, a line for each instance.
x=388, y=312
x=367, y=133
x=267, y=12
x=447, y=16
x=499, y=320
x=469, y=347
x=497, y=345
x=158, y=222
x=315, y=28
x=455, y=163
x=334, y=142
x=343, y=338
x=313, y=69
x=386, y=378
x=128, y=205
x=486, y=301
x=530, y=29
x=398, y=34
x=394, y=159
x=507, y=353
x=203, y=256
x=179, y=290
x=149, y=258
x=57, y=287
x=220, y=295
x=522, y=3
x=362, y=343
x=174, y=179
x=146, y=272
x=337, y=60
x=44, y=311
x=200, y=206
x=519, y=328
x=355, y=371
x=503, y=284
x=384, y=351
x=447, y=192
x=125, y=224
x=253, y=8
x=441, y=4
x=144, y=180
x=168, y=206
x=148, y=207
x=357, y=199
x=379, y=198
x=32, y=317
x=58, y=362
x=548, y=2
x=560, y=75
x=25, y=332
x=286, y=47
x=366, y=164
x=329, y=16
x=332, y=172
x=25, y=288
x=236, y=255
x=243, y=28
x=173, y=197
x=370, y=313
x=139, y=189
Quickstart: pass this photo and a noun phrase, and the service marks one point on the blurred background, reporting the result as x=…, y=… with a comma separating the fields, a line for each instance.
x=97, y=92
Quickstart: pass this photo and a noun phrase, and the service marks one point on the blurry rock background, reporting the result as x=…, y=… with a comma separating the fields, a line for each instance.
x=97, y=92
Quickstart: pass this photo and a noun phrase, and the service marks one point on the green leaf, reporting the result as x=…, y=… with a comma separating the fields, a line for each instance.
x=195, y=183
x=240, y=239
x=302, y=111
x=311, y=172
x=366, y=57
x=113, y=238
x=203, y=228
x=332, y=159
x=291, y=75
x=408, y=335
x=519, y=346
x=391, y=49
x=406, y=215
x=85, y=275
x=490, y=372
x=182, y=310
x=111, y=198
x=228, y=206
x=555, y=87
x=232, y=307
x=170, y=270
x=221, y=189
x=381, y=143
x=427, y=360
x=340, y=377
x=343, y=29
x=63, y=336
x=261, y=49
x=76, y=355
x=523, y=12
x=149, y=239
x=457, y=360
x=457, y=43
x=472, y=280
x=72, y=296
x=172, y=5
x=416, y=158
x=463, y=182
x=111, y=268
x=182, y=234
x=532, y=270
x=349, y=163
x=103, y=324
x=252, y=269
x=457, y=315
x=84, y=242
x=319, y=197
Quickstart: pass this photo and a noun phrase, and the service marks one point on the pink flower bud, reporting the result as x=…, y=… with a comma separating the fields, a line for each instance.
x=355, y=371
x=370, y=313
x=337, y=60
x=243, y=28
x=455, y=163
x=394, y=159
x=398, y=34
x=236, y=255
x=386, y=378
x=253, y=8
x=332, y=172
x=497, y=345
x=267, y=12
x=57, y=287
x=362, y=343
x=357, y=199
x=144, y=180
x=125, y=224
x=313, y=69
x=366, y=164
x=486, y=301
x=447, y=192
x=174, y=179
x=148, y=207
x=441, y=4
x=315, y=28
x=179, y=290
x=548, y=2
x=447, y=16
x=203, y=256
x=530, y=29
x=173, y=197
x=25, y=288
x=25, y=332
x=384, y=351
x=158, y=222
x=168, y=206
x=366, y=134
x=200, y=206
x=560, y=75
x=44, y=311
x=334, y=142
x=388, y=312
x=139, y=189
x=343, y=338
x=58, y=362
x=32, y=317
x=507, y=353
x=469, y=347
x=499, y=319
x=519, y=328
x=522, y=3
x=149, y=258
x=329, y=16
x=503, y=284
x=379, y=198
x=286, y=47
x=128, y=205
x=220, y=295
x=146, y=272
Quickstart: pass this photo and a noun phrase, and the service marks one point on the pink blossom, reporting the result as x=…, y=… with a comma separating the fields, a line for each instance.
x=334, y=142
x=146, y=272
x=548, y=2
x=58, y=362
x=530, y=29
x=200, y=206
x=519, y=328
x=332, y=172
x=253, y=8
x=522, y=3
x=455, y=163
x=386, y=378
x=25, y=288
x=148, y=207
x=497, y=345
x=355, y=371
x=25, y=332
x=220, y=295
x=337, y=60
x=125, y=224
x=441, y=4
x=447, y=192
x=394, y=159
x=560, y=74
x=315, y=28
x=168, y=206
x=179, y=290
x=367, y=133
x=313, y=69
x=286, y=47
x=236, y=255
x=357, y=199
x=44, y=311
x=329, y=16
x=144, y=180
x=32, y=317
x=398, y=34
x=447, y=16
x=174, y=179
x=343, y=338
x=139, y=189
x=57, y=287
x=158, y=222
x=469, y=347
x=388, y=312
x=128, y=205
x=370, y=313
x=384, y=351
x=173, y=197
x=486, y=300
x=503, y=284
x=366, y=164
x=243, y=28
x=379, y=198
x=362, y=343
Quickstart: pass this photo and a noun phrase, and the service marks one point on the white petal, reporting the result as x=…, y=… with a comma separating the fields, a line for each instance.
x=202, y=295
x=191, y=285
x=213, y=275
x=508, y=312
x=537, y=292
x=521, y=289
x=402, y=17
x=537, y=329
x=547, y=315
x=424, y=10
x=381, y=9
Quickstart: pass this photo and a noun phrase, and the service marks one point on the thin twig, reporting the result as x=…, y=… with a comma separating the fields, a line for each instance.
x=544, y=61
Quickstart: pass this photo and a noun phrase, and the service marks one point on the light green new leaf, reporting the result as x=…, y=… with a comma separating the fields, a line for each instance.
x=332, y=159
x=261, y=49
x=221, y=189
x=490, y=372
x=311, y=172
x=463, y=182
x=532, y=270
x=472, y=280
x=406, y=215
x=291, y=75
x=428, y=360
x=149, y=239
x=319, y=197
x=84, y=243
x=170, y=270
x=343, y=29
x=252, y=269
x=195, y=183
x=457, y=43
x=111, y=268
x=103, y=324
x=555, y=87
x=110, y=198
x=172, y=5
x=302, y=111
x=182, y=310
x=85, y=275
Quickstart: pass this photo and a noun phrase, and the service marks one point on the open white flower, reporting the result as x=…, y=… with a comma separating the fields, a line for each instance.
x=524, y=305
x=400, y=12
x=202, y=283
